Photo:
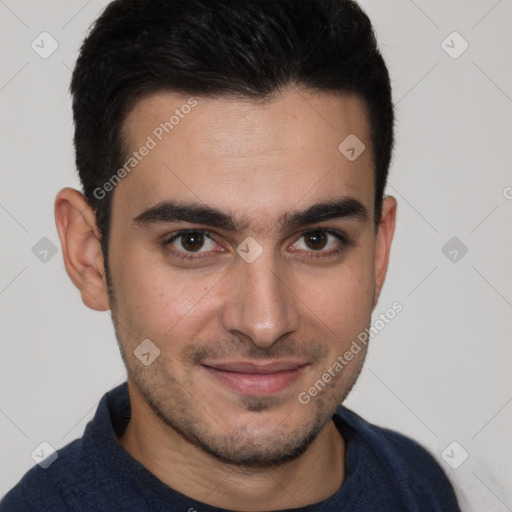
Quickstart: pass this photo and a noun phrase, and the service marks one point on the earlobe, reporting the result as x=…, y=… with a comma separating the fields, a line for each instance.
x=81, y=249
x=385, y=233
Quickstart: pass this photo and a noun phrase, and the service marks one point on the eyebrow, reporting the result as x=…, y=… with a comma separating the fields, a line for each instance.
x=167, y=212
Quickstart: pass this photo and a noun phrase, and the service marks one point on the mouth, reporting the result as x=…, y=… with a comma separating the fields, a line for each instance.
x=252, y=379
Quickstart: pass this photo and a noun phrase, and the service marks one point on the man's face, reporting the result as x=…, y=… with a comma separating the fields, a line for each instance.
x=242, y=333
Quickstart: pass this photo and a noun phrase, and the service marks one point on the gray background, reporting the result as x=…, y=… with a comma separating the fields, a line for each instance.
x=439, y=372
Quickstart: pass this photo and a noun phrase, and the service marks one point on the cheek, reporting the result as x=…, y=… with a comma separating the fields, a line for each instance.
x=153, y=299
x=340, y=302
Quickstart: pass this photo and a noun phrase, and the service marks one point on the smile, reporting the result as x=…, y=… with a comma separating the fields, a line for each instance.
x=256, y=379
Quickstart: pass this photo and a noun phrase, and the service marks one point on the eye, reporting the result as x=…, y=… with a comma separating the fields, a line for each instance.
x=194, y=244
x=322, y=241
x=187, y=243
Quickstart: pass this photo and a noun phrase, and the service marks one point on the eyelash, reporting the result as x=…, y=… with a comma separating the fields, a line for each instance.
x=342, y=237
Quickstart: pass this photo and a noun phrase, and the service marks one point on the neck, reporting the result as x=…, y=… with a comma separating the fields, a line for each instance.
x=313, y=477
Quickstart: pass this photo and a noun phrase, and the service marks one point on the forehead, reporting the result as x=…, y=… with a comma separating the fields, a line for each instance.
x=252, y=158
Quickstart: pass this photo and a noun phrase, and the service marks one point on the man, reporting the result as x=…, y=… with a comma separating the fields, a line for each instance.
x=233, y=156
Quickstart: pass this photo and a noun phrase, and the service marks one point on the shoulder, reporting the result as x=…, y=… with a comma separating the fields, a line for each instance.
x=385, y=444
x=403, y=463
x=43, y=489
x=83, y=469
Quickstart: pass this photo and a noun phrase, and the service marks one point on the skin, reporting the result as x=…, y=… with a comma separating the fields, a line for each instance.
x=259, y=161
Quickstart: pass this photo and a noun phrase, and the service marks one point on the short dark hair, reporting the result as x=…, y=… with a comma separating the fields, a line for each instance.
x=247, y=48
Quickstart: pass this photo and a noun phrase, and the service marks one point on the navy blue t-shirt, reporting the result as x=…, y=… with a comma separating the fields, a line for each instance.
x=384, y=471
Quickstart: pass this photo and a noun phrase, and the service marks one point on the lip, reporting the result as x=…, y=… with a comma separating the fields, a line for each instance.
x=252, y=379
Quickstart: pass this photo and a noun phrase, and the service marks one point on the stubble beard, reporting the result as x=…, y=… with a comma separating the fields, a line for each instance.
x=240, y=448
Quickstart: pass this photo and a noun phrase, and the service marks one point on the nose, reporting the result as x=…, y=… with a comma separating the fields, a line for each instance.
x=261, y=304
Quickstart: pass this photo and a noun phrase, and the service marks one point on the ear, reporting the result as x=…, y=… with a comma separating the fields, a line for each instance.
x=385, y=232
x=81, y=249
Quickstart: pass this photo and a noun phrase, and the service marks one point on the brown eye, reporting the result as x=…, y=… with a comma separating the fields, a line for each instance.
x=317, y=243
x=192, y=241
x=316, y=240
x=191, y=245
